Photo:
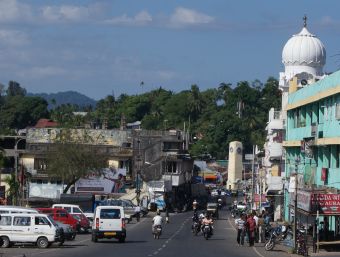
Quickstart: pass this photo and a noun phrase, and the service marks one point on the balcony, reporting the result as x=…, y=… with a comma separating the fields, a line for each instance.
x=274, y=120
x=275, y=150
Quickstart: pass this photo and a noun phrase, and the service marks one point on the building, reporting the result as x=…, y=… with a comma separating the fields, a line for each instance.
x=313, y=147
x=139, y=155
x=304, y=57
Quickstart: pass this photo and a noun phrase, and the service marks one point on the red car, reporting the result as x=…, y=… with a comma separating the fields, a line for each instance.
x=62, y=216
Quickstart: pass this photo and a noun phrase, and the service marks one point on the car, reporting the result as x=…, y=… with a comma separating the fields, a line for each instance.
x=77, y=213
x=129, y=208
x=143, y=209
x=69, y=232
x=212, y=209
x=109, y=222
x=61, y=215
x=241, y=206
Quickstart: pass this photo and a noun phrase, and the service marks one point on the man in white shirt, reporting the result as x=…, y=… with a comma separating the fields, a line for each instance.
x=157, y=220
x=256, y=218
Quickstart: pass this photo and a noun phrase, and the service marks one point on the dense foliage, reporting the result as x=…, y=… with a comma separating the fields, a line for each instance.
x=214, y=117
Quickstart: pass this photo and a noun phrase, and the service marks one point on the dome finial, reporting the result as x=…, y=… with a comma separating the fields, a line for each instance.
x=305, y=21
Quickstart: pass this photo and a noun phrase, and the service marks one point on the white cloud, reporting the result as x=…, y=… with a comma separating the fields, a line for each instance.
x=142, y=18
x=187, y=17
x=13, y=38
x=13, y=10
x=65, y=13
x=42, y=72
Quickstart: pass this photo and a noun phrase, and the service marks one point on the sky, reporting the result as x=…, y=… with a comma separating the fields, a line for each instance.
x=106, y=47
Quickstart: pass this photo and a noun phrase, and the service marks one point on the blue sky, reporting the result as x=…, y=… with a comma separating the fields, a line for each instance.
x=109, y=46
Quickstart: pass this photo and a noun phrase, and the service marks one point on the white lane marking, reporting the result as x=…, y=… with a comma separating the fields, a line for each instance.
x=257, y=252
x=170, y=238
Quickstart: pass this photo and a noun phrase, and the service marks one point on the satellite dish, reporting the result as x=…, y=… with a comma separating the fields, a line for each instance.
x=304, y=82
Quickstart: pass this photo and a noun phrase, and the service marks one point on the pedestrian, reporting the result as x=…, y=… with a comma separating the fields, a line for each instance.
x=250, y=225
x=256, y=231
x=240, y=224
x=260, y=224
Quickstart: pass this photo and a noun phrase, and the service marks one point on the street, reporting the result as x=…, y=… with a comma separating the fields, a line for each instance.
x=176, y=240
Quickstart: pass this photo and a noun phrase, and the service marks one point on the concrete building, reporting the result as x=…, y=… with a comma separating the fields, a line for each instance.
x=303, y=56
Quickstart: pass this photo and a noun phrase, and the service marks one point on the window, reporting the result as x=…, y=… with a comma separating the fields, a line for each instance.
x=110, y=214
x=76, y=210
x=61, y=214
x=41, y=221
x=5, y=221
x=22, y=221
x=68, y=209
x=337, y=111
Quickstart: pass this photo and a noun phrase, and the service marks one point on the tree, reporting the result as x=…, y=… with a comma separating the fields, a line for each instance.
x=14, y=89
x=12, y=192
x=74, y=156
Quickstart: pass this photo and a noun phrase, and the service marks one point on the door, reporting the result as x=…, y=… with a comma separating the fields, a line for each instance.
x=42, y=227
x=22, y=229
x=110, y=220
x=6, y=225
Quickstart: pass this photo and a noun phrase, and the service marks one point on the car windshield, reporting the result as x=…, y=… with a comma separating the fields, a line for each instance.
x=52, y=220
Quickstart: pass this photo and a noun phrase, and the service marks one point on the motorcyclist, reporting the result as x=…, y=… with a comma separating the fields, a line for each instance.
x=208, y=221
x=194, y=205
x=157, y=220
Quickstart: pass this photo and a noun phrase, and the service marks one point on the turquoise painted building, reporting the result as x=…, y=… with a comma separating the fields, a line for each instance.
x=313, y=143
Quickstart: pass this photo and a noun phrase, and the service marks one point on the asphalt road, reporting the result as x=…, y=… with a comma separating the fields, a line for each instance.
x=177, y=240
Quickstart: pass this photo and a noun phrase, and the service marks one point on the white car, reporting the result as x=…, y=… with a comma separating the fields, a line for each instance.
x=109, y=222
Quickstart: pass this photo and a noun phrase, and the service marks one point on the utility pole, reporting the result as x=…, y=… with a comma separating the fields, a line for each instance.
x=297, y=160
x=252, y=179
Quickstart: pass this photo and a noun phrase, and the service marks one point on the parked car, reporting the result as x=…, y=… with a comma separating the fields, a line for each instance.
x=61, y=215
x=76, y=211
x=33, y=228
x=16, y=209
x=109, y=222
x=143, y=209
x=69, y=232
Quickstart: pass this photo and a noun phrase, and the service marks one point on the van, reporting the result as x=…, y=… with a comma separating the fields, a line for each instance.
x=109, y=222
x=77, y=213
x=59, y=214
x=8, y=209
x=34, y=228
x=129, y=208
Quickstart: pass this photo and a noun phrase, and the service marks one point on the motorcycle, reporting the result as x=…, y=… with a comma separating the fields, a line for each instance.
x=206, y=231
x=196, y=228
x=157, y=231
x=277, y=235
x=301, y=242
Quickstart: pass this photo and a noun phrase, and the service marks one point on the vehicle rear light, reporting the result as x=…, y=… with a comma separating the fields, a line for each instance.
x=97, y=223
x=123, y=223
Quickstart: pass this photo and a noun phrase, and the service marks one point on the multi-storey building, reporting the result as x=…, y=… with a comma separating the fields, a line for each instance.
x=313, y=150
x=149, y=155
x=303, y=57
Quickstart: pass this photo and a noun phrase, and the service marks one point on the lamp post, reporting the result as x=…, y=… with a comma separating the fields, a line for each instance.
x=138, y=175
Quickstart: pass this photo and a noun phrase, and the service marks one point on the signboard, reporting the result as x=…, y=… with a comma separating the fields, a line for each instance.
x=304, y=200
x=326, y=203
x=257, y=198
x=110, y=181
x=249, y=157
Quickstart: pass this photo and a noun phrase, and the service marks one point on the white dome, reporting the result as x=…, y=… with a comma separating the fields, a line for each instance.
x=304, y=49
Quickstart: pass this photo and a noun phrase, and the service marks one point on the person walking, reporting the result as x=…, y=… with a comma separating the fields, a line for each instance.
x=250, y=225
x=260, y=224
x=256, y=231
x=240, y=224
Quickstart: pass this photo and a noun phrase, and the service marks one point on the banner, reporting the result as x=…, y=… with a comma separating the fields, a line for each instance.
x=326, y=203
